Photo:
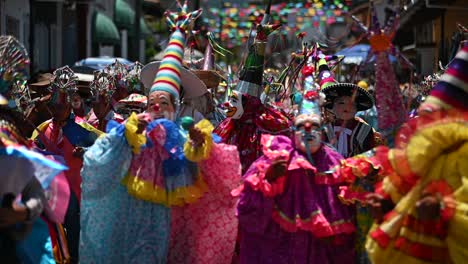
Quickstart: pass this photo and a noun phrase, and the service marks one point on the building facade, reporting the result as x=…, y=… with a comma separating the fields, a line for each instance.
x=427, y=30
x=61, y=32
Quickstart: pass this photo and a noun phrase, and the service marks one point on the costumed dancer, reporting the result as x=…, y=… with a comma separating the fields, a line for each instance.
x=63, y=137
x=129, y=193
x=102, y=90
x=24, y=236
x=420, y=205
x=205, y=231
x=191, y=87
x=117, y=74
x=350, y=136
x=247, y=118
x=285, y=216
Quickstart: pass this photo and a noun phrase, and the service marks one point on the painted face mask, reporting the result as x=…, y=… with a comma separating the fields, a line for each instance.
x=235, y=110
x=160, y=105
x=308, y=136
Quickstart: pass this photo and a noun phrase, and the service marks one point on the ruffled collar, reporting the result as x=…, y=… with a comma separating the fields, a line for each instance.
x=282, y=147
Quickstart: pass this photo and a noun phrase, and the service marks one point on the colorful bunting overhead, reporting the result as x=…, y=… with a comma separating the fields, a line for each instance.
x=232, y=23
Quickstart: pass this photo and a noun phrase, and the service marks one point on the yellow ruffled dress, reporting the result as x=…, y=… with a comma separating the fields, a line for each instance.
x=431, y=157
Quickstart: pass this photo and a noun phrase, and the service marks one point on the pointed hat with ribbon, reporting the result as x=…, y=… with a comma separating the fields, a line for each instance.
x=325, y=76
x=208, y=73
x=312, y=99
x=168, y=76
x=251, y=74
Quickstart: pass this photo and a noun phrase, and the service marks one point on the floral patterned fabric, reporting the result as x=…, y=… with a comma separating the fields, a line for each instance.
x=205, y=232
x=117, y=228
x=128, y=195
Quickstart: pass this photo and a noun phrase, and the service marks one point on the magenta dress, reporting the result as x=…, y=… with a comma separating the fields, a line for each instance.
x=294, y=219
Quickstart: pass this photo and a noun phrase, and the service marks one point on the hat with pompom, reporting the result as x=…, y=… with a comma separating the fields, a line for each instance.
x=333, y=89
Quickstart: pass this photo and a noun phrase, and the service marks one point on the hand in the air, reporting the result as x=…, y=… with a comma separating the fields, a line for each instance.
x=277, y=169
x=374, y=201
x=143, y=121
x=78, y=152
x=428, y=208
x=196, y=136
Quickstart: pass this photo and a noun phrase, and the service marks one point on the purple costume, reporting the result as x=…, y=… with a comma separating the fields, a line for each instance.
x=293, y=219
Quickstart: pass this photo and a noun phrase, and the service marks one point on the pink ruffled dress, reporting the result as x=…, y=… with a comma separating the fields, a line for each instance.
x=205, y=231
x=294, y=219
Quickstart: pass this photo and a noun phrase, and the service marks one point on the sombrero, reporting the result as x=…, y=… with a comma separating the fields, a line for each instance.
x=333, y=89
x=193, y=86
x=364, y=99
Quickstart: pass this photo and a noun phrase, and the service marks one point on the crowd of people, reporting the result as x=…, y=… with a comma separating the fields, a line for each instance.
x=154, y=167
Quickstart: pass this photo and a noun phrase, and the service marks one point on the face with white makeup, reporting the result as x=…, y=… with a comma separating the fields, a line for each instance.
x=235, y=110
x=307, y=130
x=161, y=105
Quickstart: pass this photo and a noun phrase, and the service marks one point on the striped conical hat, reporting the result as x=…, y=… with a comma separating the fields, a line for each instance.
x=168, y=77
x=452, y=88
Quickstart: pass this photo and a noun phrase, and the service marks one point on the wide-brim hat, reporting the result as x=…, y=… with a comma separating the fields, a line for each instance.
x=41, y=83
x=134, y=99
x=363, y=99
x=211, y=78
x=193, y=86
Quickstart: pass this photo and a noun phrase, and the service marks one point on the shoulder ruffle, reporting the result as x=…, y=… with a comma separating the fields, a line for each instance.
x=274, y=148
x=161, y=173
x=134, y=139
x=150, y=192
x=203, y=152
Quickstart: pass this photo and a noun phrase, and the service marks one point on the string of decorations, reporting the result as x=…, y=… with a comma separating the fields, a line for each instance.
x=232, y=23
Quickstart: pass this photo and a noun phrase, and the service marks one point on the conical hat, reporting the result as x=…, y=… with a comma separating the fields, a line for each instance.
x=211, y=78
x=452, y=88
x=193, y=86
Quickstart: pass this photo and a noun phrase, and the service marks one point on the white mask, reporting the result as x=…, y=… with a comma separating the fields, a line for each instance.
x=235, y=109
x=314, y=139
